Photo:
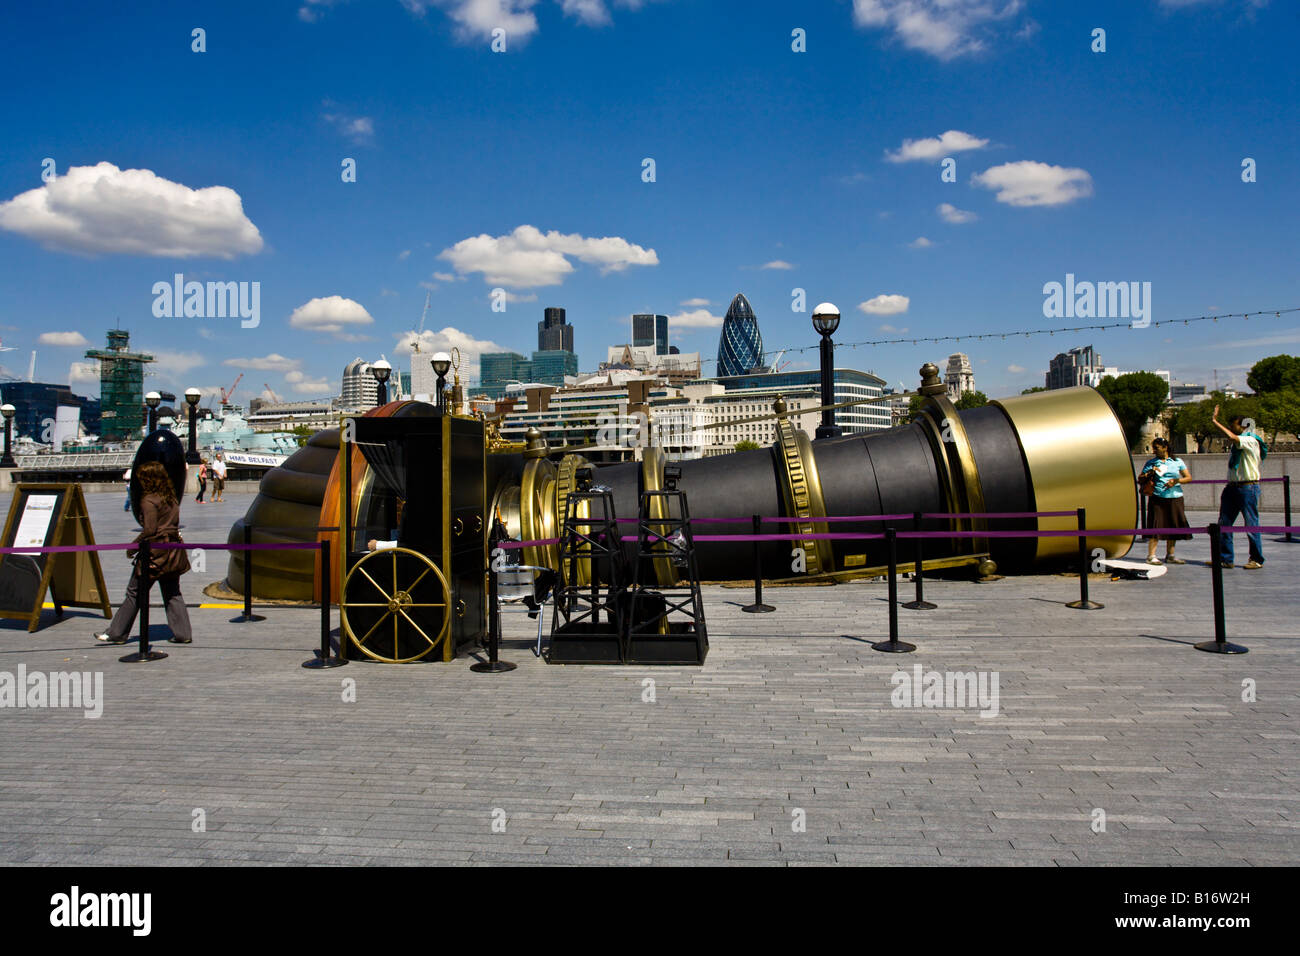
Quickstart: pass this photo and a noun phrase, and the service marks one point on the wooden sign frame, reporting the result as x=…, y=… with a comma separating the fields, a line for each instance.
x=73, y=578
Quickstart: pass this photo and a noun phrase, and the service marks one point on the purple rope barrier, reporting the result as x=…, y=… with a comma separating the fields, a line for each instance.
x=59, y=549
x=1224, y=481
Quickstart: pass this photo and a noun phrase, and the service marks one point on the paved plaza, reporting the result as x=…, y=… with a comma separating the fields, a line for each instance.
x=785, y=748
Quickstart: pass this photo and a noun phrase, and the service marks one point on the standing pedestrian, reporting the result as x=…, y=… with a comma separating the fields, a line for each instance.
x=203, y=479
x=160, y=515
x=218, y=478
x=1165, y=508
x=1241, y=496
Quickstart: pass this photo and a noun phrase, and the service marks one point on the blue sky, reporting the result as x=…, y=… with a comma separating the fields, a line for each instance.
x=523, y=170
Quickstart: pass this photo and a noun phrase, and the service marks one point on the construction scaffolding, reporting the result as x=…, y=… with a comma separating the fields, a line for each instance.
x=121, y=387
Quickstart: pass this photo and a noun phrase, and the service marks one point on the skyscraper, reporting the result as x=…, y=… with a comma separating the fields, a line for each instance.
x=650, y=329
x=553, y=334
x=121, y=387
x=740, y=346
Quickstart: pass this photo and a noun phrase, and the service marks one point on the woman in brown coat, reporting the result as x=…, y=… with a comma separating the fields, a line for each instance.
x=160, y=521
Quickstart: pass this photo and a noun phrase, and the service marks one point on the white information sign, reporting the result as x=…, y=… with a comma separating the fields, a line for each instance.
x=35, y=522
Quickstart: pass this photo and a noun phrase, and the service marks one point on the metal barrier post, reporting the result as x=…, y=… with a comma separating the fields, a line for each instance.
x=1220, y=644
x=324, y=659
x=1083, y=604
x=248, y=615
x=144, y=654
x=758, y=607
x=494, y=665
x=920, y=604
x=893, y=645
x=1286, y=502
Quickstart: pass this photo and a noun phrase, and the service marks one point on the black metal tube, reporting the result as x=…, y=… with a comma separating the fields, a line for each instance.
x=324, y=598
x=192, y=454
x=1216, y=576
x=1286, y=502
x=1083, y=558
x=248, y=572
x=892, y=541
x=7, y=461
x=828, y=380
x=142, y=569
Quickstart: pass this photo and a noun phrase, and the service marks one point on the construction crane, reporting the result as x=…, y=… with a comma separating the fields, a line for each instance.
x=274, y=397
x=226, y=393
x=776, y=365
x=415, y=344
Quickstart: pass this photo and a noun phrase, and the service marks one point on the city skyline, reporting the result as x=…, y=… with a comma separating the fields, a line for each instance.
x=511, y=180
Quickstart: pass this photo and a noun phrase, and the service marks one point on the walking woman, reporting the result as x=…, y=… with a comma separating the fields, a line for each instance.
x=1165, y=506
x=160, y=521
x=203, y=479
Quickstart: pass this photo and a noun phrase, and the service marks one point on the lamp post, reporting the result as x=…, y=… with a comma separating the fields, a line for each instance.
x=7, y=461
x=441, y=365
x=826, y=319
x=381, y=370
x=192, y=396
x=153, y=400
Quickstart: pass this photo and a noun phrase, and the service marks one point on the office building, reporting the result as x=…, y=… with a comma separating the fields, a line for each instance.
x=674, y=367
x=650, y=329
x=553, y=333
x=849, y=385
x=497, y=370
x=1072, y=368
x=360, y=388
x=49, y=414
x=740, y=344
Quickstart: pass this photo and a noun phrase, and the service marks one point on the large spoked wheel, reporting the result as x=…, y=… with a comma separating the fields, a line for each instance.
x=395, y=606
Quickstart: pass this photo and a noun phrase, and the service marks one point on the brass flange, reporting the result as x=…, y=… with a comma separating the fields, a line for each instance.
x=802, y=491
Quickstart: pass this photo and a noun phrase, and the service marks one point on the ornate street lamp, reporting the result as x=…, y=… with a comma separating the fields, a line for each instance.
x=153, y=400
x=441, y=366
x=826, y=319
x=381, y=370
x=192, y=396
x=7, y=461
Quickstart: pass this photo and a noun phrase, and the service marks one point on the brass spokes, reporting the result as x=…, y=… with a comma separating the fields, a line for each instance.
x=409, y=615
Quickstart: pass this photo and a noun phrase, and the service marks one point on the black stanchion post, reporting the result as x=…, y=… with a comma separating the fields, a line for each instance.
x=758, y=607
x=324, y=659
x=248, y=616
x=920, y=604
x=1083, y=604
x=494, y=665
x=1220, y=644
x=144, y=654
x=893, y=645
x=1286, y=502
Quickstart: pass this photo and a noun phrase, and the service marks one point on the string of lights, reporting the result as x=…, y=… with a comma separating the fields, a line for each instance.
x=980, y=336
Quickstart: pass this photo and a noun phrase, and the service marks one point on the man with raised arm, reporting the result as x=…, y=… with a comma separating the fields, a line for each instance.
x=1241, y=495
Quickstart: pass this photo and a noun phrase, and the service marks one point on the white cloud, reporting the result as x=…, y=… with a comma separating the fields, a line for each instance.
x=885, y=305
x=694, y=319
x=592, y=13
x=175, y=364
x=331, y=314
x=932, y=148
x=103, y=209
x=313, y=387
x=404, y=254
x=476, y=19
x=1015, y=369
x=920, y=242
x=1027, y=183
x=776, y=264
x=62, y=338
x=444, y=277
x=275, y=362
x=942, y=28
x=693, y=303
x=83, y=372
x=950, y=213
x=444, y=341
x=360, y=130
x=528, y=257
x=887, y=327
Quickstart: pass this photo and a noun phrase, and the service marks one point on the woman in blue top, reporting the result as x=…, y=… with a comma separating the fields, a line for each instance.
x=1165, y=506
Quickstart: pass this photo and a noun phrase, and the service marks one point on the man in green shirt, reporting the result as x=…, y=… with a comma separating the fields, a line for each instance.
x=1241, y=495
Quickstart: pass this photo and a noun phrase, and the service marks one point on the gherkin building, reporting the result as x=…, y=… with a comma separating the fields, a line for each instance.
x=740, y=347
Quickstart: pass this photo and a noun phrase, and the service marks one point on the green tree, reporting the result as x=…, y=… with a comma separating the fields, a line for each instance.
x=1275, y=373
x=1279, y=412
x=971, y=400
x=303, y=433
x=746, y=445
x=1135, y=398
x=1195, y=418
x=1036, y=388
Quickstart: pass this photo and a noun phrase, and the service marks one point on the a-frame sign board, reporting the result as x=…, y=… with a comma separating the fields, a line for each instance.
x=49, y=515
